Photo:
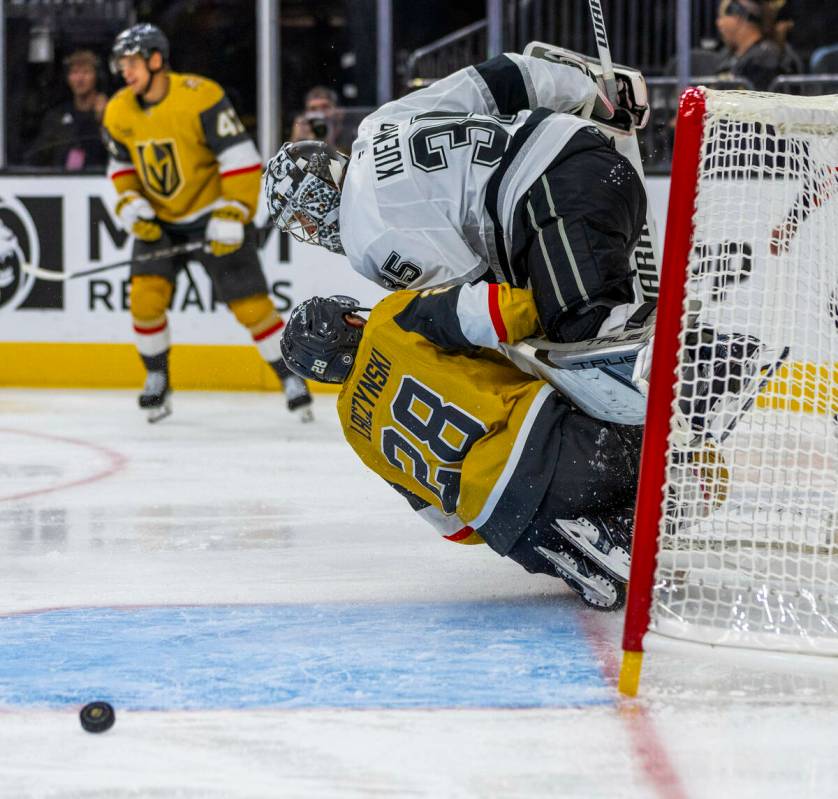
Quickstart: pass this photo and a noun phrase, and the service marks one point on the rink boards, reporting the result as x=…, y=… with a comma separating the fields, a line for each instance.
x=78, y=332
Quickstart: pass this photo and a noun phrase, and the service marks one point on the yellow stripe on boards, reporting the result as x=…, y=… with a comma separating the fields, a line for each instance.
x=802, y=387
x=193, y=366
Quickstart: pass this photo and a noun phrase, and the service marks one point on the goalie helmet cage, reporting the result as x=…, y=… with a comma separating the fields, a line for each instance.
x=736, y=524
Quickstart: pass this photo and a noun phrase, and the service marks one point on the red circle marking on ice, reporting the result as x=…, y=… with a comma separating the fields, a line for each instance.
x=116, y=461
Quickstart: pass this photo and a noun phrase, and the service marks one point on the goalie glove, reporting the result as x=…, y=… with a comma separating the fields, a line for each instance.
x=632, y=101
x=225, y=229
x=137, y=216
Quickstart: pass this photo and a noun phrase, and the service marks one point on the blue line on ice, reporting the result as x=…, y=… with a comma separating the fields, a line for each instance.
x=416, y=655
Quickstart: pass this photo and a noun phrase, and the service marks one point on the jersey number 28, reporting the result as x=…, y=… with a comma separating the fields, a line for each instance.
x=424, y=418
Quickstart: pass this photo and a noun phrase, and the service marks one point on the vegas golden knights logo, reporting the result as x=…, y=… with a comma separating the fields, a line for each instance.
x=161, y=170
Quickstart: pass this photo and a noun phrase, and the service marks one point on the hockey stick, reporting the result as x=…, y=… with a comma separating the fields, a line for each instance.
x=167, y=252
x=645, y=255
x=603, y=50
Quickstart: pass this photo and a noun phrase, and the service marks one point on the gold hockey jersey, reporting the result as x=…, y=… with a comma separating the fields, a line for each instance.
x=469, y=440
x=186, y=154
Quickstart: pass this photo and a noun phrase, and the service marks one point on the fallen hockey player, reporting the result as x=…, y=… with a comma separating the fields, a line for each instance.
x=482, y=451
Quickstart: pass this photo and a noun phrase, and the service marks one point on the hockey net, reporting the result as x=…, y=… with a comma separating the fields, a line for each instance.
x=736, y=530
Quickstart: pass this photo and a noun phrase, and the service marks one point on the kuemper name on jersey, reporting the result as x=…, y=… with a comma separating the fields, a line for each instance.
x=387, y=154
x=370, y=385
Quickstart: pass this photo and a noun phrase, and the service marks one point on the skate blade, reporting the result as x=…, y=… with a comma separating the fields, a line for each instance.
x=155, y=415
x=616, y=563
x=593, y=591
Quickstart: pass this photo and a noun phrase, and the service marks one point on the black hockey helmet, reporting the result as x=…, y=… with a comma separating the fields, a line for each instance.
x=318, y=343
x=142, y=39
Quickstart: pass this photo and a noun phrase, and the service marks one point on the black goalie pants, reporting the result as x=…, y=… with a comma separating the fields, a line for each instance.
x=596, y=474
x=575, y=232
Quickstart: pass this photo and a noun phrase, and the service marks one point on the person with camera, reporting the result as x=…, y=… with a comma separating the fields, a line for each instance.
x=322, y=120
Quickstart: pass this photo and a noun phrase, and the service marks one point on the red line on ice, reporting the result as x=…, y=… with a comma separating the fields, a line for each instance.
x=649, y=749
x=116, y=461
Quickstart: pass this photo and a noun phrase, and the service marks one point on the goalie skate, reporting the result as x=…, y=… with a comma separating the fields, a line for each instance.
x=597, y=589
x=156, y=397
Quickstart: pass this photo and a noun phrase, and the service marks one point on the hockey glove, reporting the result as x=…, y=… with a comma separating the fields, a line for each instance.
x=606, y=112
x=225, y=229
x=137, y=216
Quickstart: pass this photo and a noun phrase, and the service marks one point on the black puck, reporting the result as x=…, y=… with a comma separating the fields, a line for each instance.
x=97, y=717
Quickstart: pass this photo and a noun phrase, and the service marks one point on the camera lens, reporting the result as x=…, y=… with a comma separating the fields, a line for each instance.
x=319, y=127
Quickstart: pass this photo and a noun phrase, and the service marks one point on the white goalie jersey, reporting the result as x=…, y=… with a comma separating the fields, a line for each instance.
x=434, y=179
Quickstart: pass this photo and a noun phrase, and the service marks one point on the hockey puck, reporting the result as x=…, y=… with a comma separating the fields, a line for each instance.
x=97, y=717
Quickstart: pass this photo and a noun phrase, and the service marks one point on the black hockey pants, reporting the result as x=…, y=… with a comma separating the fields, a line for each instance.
x=575, y=231
x=596, y=473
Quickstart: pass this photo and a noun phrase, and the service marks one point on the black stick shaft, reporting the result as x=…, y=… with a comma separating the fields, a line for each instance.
x=180, y=249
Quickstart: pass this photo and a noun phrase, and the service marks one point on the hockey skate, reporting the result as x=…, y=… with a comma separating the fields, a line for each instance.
x=297, y=397
x=156, y=396
x=605, y=540
x=597, y=589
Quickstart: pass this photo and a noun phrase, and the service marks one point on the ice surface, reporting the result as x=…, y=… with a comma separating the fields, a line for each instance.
x=269, y=620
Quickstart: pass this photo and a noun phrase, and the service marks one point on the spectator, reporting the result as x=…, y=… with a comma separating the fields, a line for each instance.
x=70, y=135
x=322, y=120
x=756, y=48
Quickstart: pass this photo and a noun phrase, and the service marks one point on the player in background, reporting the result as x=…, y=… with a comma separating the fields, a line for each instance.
x=494, y=173
x=185, y=170
x=480, y=450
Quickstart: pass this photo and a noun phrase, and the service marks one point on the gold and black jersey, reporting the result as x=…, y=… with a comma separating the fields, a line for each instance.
x=185, y=153
x=468, y=439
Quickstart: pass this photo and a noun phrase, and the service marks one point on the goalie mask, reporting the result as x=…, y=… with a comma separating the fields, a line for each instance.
x=318, y=343
x=302, y=186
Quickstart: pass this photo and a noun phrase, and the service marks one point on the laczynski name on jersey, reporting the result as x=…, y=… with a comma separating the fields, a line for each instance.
x=370, y=385
x=387, y=154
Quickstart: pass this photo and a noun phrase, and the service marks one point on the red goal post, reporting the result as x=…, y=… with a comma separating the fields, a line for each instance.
x=739, y=513
x=677, y=245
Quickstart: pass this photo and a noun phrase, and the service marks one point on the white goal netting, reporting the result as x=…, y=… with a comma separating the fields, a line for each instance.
x=748, y=550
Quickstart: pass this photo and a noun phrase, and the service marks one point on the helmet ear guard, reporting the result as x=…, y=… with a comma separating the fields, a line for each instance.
x=318, y=343
x=302, y=187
